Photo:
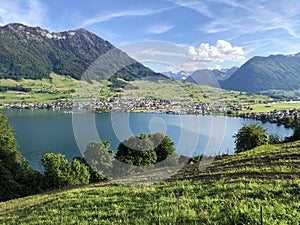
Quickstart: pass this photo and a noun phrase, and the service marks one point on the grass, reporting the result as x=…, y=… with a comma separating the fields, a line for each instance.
x=66, y=88
x=232, y=190
x=274, y=106
x=46, y=90
x=173, y=89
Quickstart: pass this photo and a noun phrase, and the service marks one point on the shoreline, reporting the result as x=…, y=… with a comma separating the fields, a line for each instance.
x=287, y=118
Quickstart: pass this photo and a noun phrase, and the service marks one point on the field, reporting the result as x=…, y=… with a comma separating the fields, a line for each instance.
x=45, y=90
x=261, y=186
x=66, y=88
x=274, y=106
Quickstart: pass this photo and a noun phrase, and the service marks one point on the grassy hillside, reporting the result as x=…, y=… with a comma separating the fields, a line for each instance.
x=66, y=89
x=48, y=90
x=239, y=189
x=32, y=52
x=44, y=90
x=275, y=72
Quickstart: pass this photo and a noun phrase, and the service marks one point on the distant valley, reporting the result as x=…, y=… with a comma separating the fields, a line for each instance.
x=272, y=75
x=35, y=53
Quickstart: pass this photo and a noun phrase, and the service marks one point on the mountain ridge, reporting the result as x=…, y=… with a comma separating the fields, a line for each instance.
x=33, y=52
x=274, y=72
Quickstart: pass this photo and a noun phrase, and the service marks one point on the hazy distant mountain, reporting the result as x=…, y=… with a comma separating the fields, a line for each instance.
x=203, y=77
x=210, y=77
x=197, y=76
x=224, y=74
x=182, y=75
x=275, y=72
x=32, y=52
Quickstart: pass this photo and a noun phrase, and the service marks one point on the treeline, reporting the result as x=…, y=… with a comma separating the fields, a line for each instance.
x=18, y=179
x=253, y=135
x=14, y=88
x=288, y=121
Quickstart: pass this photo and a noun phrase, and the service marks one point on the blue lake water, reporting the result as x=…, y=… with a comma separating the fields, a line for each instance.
x=42, y=131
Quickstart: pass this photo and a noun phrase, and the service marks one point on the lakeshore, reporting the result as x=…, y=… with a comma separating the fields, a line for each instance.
x=281, y=116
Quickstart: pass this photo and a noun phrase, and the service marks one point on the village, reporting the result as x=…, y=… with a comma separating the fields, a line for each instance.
x=281, y=117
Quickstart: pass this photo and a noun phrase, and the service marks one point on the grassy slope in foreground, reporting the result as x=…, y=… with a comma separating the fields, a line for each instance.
x=232, y=190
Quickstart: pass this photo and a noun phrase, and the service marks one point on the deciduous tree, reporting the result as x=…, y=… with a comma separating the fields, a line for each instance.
x=249, y=137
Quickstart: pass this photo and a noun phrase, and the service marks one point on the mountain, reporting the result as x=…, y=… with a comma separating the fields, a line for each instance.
x=203, y=77
x=210, y=77
x=275, y=72
x=222, y=74
x=181, y=75
x=32, y=52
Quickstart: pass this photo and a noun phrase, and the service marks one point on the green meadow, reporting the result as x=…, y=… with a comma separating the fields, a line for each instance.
x=260, y=186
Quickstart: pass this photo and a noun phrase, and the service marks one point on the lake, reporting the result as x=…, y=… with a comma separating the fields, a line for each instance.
x=42, y=131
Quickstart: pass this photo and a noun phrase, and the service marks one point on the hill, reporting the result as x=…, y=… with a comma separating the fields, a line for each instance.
x=275, y=72
x=192, y=77
x=254, y=187
x=33, y=52
x=205, y=77
x=181, y=75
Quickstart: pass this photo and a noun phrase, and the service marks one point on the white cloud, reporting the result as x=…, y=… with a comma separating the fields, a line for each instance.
x=219, y=53
x=217, y=67
x=29, y=12
x=109, y=16
x=159, y=29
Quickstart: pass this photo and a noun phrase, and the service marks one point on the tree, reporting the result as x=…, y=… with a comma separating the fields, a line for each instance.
x=163, y=145
x=99, y=158
x=57, y=170
x=11, y=170
x=295, y=136
x=147, y=150
x=79, y=173
x=249, y=137
x=17, y=178
x=274, y=139
x=137, y=151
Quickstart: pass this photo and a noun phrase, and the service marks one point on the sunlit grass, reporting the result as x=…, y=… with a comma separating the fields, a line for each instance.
x=235, y=196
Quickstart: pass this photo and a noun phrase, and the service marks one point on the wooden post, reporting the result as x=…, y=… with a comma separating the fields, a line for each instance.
x=178, y=206
x=261, y=216
x=158, y=213
x=178, y=203
x=61, y=220
x=98, y=216
x=229, y=212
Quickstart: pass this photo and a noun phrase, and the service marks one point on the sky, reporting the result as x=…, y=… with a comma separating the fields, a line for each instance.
x=173, y=34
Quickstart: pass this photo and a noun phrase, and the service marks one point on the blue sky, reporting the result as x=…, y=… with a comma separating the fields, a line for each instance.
x=202, y=33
